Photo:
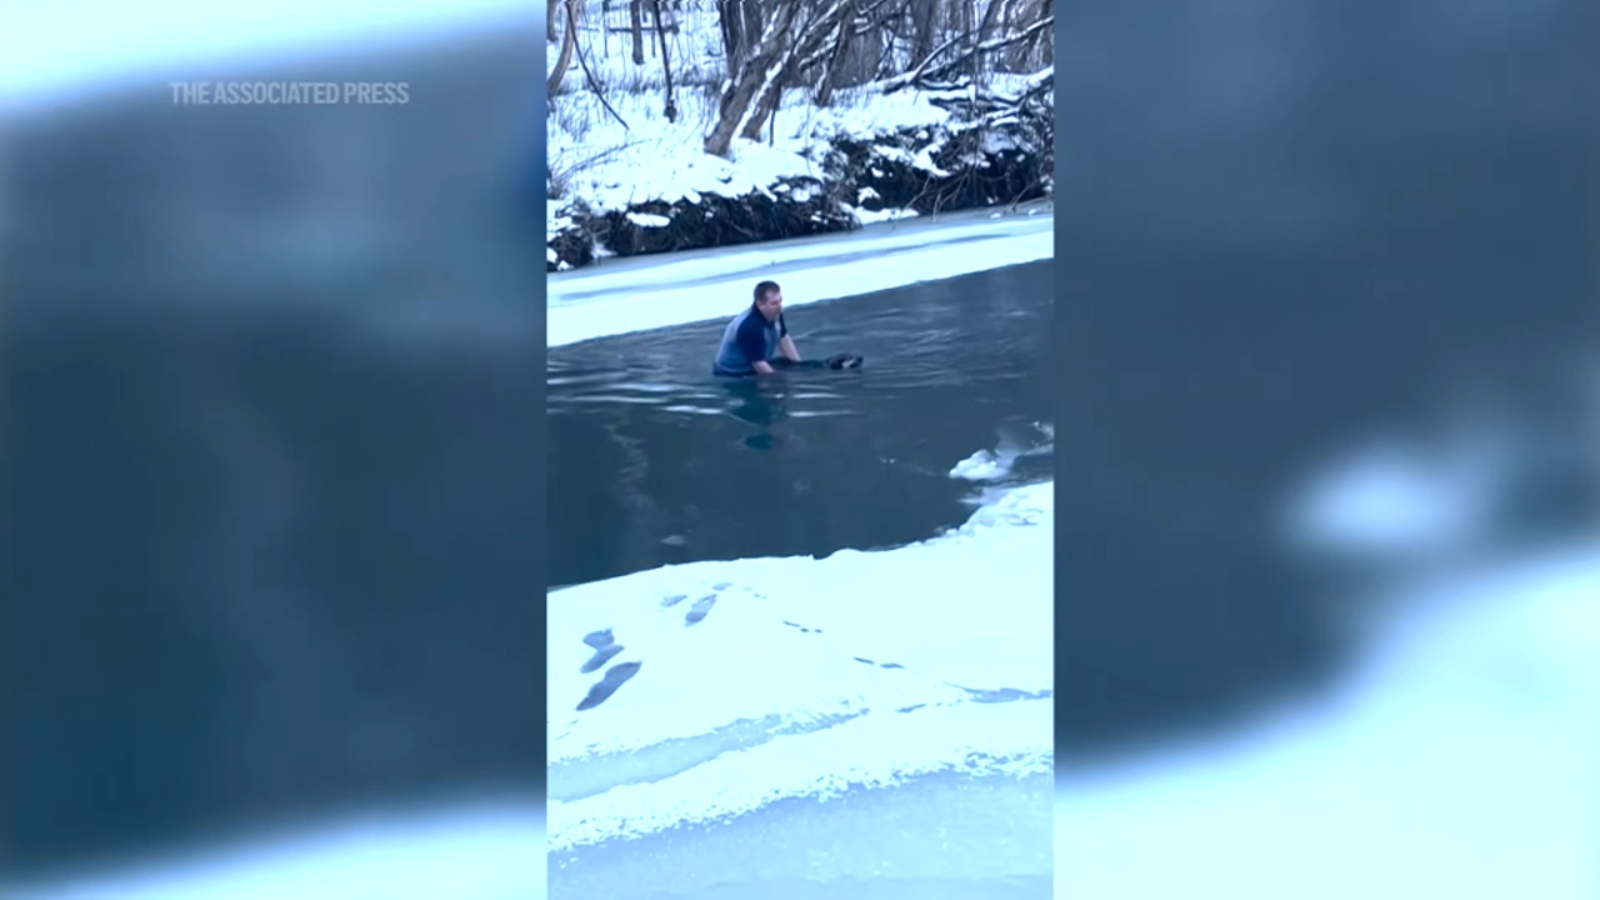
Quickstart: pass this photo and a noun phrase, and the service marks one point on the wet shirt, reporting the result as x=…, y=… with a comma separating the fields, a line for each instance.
x=749, y=338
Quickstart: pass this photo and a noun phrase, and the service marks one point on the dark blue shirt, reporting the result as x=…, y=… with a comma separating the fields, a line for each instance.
x=750, y=338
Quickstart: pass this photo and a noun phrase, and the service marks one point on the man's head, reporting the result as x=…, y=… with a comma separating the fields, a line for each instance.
x=769, y=300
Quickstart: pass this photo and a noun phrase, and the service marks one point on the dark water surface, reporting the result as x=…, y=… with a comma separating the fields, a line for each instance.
x=272, y=438
x=654, y=461
x=1284, y=230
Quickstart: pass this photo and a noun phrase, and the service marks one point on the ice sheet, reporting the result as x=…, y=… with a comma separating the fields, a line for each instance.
x=607, y=300
x=771, y=678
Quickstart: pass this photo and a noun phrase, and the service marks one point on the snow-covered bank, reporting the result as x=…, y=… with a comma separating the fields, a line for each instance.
x=693, y=287
x=1460, y=762
x=717, y=694
x=627, y=178
x=1458, y=755
x=887, y=157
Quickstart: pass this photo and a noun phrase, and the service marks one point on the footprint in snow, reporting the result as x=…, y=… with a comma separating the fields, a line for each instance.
x=614, y=678
x=600, y=658
x=699, y=610
x=873, y=662
x=605, y=647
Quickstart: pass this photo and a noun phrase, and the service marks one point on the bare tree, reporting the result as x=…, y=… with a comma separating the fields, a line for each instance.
x=930, y=44
x=552, y=16
x=569, y=43
x=840, y=54
x=739, y=21
x=991, y=19
x=755, y=75
x=923, y=17
x=671, y=110
x=636, y=29
x=928, y=73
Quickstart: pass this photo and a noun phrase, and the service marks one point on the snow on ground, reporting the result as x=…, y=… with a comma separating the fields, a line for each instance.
x=1461, y=763
x=610, y=166
x=662, y=291
x=58, y=52
x=611, y=161
x=474, y=852
x=763, y=679
x=1458, y=760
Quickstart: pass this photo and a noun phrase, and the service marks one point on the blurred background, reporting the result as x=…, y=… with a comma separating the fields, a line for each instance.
x=273, y=428
x=1329, y=578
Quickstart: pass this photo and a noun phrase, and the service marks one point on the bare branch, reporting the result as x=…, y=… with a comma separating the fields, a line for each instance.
x=568, y=43
x=926, y=72
x=594, y=84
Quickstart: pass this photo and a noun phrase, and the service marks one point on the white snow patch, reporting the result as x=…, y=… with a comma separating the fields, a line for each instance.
x=923, y=160
x=871, y=217
x=648, y=220
x=999, y=463
x=790, y=684
x=598, y=302
x=1460, y=762
x=1402, y=498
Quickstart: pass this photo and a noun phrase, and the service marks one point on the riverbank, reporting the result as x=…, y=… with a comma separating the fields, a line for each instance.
x=625, y=182
x=692, y=286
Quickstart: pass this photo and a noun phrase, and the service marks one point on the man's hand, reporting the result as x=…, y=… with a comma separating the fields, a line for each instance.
x=762, y=367
x=787, y=348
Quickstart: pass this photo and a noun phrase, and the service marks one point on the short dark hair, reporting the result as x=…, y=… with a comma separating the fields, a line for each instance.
x=766, y=289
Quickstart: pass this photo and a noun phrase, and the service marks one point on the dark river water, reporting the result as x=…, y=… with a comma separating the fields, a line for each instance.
x=653, y=460
x=1284, y=230
x=272, y=430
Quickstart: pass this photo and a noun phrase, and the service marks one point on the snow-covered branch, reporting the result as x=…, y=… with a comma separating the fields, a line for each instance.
x=927, y=71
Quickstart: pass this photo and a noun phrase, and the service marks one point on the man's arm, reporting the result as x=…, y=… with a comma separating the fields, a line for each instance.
x=786, y=343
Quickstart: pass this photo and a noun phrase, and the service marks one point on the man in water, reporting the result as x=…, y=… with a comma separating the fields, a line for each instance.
x=757, y=337
x=757, y=341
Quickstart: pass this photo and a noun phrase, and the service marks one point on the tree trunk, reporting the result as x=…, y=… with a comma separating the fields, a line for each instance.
x=552, y=17
x=636, y=29
x=805, y=47
x=990, y=17
x=671, y=110
x=922, y=23
x=841, y=54
x=729, y=14
x=755, y=75
x=766, y=105
x=569, y=43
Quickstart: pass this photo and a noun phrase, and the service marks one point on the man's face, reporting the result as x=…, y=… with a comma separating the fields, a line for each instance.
x=771, y=305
